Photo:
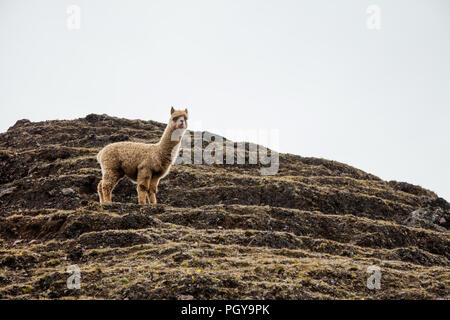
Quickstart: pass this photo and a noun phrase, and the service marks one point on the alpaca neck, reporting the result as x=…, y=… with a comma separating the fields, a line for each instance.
x=168, y=142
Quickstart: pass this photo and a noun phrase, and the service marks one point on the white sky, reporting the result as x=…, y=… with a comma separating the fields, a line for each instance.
x=375, y=99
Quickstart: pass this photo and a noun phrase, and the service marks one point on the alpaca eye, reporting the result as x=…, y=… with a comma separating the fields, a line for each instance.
x=175, y=119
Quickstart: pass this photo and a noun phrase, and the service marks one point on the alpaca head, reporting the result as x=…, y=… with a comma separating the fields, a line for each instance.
x=178, y=119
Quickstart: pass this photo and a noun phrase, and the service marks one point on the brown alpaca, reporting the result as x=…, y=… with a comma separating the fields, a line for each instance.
x=143, y=163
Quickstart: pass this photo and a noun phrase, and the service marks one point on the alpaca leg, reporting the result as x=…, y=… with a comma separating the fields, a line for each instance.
x=152, y=197
x=100, y=192
x=109, y=181
x=143, y=185
x=153, y=190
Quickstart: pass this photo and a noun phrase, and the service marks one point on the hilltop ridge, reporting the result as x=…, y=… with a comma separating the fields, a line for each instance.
x=218, y=231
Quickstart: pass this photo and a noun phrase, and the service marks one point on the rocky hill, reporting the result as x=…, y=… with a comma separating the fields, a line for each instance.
x=218, y=232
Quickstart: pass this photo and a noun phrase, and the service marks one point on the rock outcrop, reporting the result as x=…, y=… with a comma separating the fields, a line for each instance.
x=218, y=232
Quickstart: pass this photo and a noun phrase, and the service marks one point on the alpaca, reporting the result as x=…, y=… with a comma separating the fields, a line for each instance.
x=145, y=164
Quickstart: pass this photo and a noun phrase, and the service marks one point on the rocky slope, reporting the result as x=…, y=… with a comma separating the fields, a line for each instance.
x=218, y=232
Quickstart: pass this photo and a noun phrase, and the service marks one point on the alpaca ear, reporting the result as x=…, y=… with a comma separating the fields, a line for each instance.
x=185, y=110
x=172, y=110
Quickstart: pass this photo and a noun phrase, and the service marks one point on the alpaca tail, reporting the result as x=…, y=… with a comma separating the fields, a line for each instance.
x=99, y=156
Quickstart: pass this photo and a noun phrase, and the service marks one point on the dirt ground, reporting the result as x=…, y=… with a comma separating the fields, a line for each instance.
x=218, y=232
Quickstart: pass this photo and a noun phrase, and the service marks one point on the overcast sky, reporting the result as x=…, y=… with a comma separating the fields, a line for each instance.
x=377, y=99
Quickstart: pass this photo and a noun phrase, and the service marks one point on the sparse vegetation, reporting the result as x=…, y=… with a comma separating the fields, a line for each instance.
x=222, y=232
